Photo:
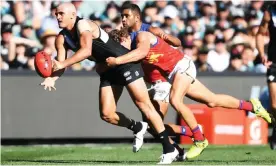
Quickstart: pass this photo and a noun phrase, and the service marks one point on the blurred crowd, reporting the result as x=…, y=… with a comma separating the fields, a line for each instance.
x=219, y=35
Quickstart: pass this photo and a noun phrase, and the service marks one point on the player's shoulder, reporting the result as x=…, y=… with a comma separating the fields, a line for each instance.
x=84, y=23
x=143, y=34
x=60, y=36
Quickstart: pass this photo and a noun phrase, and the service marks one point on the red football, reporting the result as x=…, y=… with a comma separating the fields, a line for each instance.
x=43, y=64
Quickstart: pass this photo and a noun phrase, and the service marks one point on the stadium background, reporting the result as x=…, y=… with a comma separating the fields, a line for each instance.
x=218, y=35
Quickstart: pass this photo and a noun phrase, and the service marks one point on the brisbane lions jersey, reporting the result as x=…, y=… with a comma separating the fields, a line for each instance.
x=160, y=61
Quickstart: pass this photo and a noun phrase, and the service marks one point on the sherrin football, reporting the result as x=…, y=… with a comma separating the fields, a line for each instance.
x=43, y=64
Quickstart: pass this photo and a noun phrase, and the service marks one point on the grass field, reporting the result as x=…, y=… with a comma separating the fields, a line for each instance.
x=122, y=154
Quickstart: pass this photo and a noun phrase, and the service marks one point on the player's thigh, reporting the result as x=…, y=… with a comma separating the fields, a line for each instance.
x=181, y=77
x=200, y=93
x=272, y=93
x=108, y=97
x=138, y=91
x=180, y=86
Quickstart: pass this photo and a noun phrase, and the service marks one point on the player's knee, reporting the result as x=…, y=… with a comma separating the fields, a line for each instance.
x=107, y=116
x=175, y=102
x=146, y=107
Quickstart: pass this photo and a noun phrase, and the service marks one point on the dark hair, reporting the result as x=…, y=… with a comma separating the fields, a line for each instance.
x=114, y=34
x=117, y=34
x=133, y=7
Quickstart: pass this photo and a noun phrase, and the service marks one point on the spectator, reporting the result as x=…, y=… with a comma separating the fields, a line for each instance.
x=235, y=63
x=6, y=7
x=247, y=57
x=187, y=36
x=48, y=41
x=111, y=12
x=150, y=13
x=193, y=22
x=227, y=32
x=170, y=16
x=209, y=38
x=252, y=32
x=78, y=4
x=208, y=14
x=188, y=50
x=257, y=6
x=219, y=58
x=96, y=18
x=6, y=36
x=27, y=31
x=201, y=63
x=50, y=21
x=223, y=12
x=237, y=45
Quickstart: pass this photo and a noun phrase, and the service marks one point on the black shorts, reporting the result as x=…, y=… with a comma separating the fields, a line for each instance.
x=271, y=73
x=123, y=76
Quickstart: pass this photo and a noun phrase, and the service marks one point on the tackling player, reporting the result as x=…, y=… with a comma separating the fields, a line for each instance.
x=197, y=91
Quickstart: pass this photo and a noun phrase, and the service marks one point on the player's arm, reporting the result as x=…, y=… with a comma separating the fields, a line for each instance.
x=172, y=40
x=87, y=34
x=141, y=51
x=61, y=55
x=263, y=29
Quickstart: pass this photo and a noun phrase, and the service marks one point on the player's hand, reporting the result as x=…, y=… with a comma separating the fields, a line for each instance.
x=49, y=83
x=111, y=62
x=265, y=61
x=57, y=65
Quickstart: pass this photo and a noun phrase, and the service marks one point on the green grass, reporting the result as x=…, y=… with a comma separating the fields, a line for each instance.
x=122, y=154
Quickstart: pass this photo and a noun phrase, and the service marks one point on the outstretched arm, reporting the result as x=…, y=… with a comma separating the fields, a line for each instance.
x=172, y=40
x=263, y=28
x=143, y=47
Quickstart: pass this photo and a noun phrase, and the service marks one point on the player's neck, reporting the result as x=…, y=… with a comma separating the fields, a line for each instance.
x=137, y=26
x=71, y=28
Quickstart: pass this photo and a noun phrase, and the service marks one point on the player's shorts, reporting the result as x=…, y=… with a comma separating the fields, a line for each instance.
x=160, y=91
x=185, y=65
x=122, y=77
x=271, y=73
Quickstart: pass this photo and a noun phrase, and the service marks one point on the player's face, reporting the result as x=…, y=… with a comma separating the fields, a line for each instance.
x=128, y=18
x=64, y=17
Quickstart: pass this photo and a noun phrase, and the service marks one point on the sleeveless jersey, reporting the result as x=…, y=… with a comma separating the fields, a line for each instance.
x=133, y=35
x=102, y=47
x=160, y=61
x=272, y=34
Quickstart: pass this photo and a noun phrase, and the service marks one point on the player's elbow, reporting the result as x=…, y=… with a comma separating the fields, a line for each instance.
x=87, y=52
x=177, y=42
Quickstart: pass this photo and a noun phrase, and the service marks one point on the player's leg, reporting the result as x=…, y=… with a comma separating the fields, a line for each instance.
x=272, y=94
x=108, y=98
x=181, y=78
x=162, y=109
x=200, y=93
x=139, y=94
